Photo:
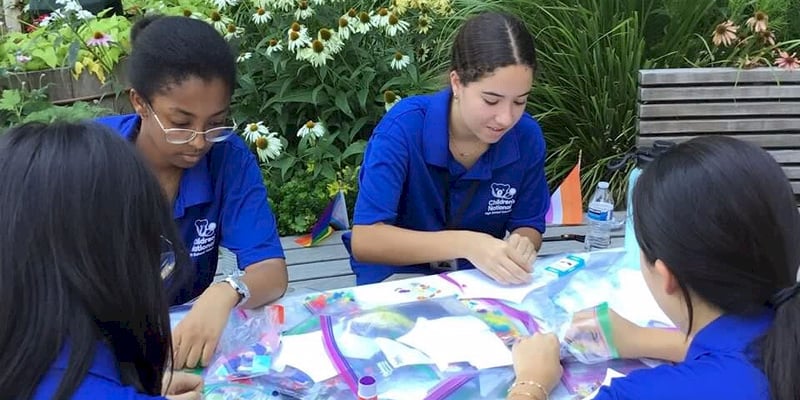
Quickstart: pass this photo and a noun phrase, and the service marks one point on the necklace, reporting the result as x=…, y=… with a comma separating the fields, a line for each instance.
x=459, y=151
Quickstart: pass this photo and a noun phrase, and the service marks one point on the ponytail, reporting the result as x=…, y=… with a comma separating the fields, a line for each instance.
x=780, y=349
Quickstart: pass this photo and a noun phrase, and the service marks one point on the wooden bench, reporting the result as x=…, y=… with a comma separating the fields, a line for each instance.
x=326, y=266
x=761, y=106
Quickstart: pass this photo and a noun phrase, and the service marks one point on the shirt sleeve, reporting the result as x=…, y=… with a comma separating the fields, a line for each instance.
x=534, y=197
x=249, y=229
x=382, y=176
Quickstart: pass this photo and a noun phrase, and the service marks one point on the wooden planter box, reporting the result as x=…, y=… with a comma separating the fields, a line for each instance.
x=64, y=89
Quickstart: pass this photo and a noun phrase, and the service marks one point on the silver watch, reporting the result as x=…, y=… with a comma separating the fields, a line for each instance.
x=239, y=286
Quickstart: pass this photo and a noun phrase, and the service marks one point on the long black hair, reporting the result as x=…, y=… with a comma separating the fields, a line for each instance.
x=720, y=213
x=82, y=220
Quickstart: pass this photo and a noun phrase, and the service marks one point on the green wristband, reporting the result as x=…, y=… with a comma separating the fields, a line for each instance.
x=605, y=324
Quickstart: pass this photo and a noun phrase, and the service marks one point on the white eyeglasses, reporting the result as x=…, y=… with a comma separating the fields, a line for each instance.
x=183, y=136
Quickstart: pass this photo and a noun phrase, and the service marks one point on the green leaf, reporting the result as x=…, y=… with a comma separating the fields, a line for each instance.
x=11, y=100
x=356, y=148
x=48, y=55
x=343, y=104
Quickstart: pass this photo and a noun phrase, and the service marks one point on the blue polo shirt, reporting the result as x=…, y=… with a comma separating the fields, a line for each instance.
x=221, y=201
x=101, y=382
x=408, y=173
x=718, y=365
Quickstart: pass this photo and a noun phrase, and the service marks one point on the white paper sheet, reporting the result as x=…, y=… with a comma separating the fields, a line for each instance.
x=403, y=291
x=610, y=374
x=475, y=284
x=458, y=339
x=305, y=352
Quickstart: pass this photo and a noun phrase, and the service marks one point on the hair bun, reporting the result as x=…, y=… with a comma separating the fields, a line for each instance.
x=142, y=23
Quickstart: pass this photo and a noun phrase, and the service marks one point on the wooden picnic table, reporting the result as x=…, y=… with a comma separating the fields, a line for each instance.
x=326, y=266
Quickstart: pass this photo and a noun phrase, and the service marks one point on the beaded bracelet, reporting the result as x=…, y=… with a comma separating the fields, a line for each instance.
x=529, y=383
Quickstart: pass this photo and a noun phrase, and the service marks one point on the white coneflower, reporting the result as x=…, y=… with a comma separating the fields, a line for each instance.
x=331, y=40
x=380, y=18
x=390, y=98
x=244, y=57
x=222, y=4
x=362, y=24
x=274, y=46
x=284, y=5
x=351, y=16
x=317, y=54
x=254, y=130
x=318, y=2
x=298, y=37
x=261, y=16
x=304, y=11
x=220, y=22
x=315, y=129
x=424, y=24
x=400, y=61
x=268, y=146
x=233, y=31
x=395, y=26
x=344, y=29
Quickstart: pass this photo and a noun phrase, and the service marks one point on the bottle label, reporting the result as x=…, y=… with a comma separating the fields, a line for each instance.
x=600, y=212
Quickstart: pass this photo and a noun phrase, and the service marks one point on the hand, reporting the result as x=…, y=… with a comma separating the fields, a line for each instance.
x=196, y=336
x=525, y=247
x=537, y=359
x=625, y=335
x=182, y=386
x=499, y=259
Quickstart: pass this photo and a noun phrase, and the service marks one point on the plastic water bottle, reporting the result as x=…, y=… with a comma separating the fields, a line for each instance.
x=599, y=218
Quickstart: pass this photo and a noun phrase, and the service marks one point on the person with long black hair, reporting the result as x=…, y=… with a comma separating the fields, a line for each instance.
x=719, y=233
x=84, y=226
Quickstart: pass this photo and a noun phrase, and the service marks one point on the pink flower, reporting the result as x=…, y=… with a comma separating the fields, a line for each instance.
x=725, y=34
x=22, y=59
x=787, y=61
x=758, y=22
x=99, y=39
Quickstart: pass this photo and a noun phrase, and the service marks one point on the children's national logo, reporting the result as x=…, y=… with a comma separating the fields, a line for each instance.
x=502, y=199
x=206, y=236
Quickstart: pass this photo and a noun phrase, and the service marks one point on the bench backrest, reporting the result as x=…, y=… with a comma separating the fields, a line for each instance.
x=760, y=106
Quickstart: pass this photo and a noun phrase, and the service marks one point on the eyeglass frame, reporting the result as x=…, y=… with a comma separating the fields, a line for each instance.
x=205, y=133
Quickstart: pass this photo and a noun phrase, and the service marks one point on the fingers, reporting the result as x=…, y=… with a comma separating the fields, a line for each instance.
x=185, y=396
x=180, y=350
x=183, y=383
x=208, y=352
x=195, y=353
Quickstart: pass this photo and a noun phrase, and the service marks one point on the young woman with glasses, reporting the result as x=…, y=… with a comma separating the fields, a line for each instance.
x=182, y=75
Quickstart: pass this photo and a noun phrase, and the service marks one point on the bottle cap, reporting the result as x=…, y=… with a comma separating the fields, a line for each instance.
x=602, y=185
x=367, y=389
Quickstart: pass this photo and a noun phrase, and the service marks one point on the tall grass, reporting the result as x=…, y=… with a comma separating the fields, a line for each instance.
x=590, y=52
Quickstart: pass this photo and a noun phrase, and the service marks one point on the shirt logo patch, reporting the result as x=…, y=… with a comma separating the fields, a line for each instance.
x=206, y=236
x=502, y=200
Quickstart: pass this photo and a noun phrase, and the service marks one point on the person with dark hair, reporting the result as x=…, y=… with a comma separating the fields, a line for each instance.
x=718, y=229
x=447, y=177
x=84, y=313
x=182, y=75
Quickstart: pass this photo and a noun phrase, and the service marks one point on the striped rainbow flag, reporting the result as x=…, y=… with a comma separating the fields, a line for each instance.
x=566, y=203
x=333, y=217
